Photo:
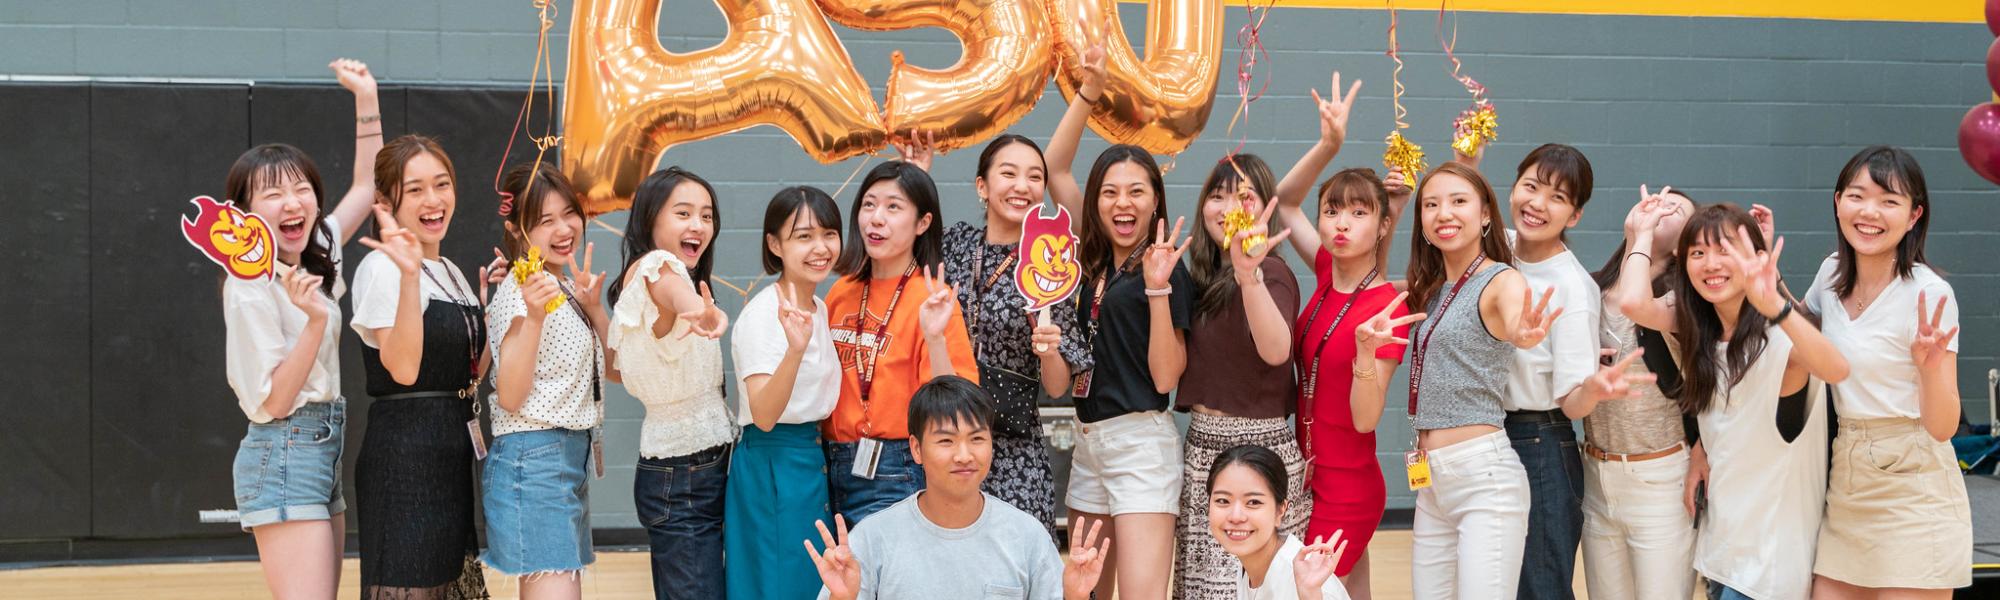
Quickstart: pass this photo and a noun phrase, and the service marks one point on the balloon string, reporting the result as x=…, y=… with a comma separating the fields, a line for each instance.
x=1396, y=76
x=544, y=65
x=1478, y=90
x=1250, y=40
x=745, y=292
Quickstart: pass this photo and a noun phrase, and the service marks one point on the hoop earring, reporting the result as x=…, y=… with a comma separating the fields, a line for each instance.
x=1485, y=228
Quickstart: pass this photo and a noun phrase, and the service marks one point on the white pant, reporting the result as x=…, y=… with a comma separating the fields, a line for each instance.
x=1471, y=523
x=1638, y=542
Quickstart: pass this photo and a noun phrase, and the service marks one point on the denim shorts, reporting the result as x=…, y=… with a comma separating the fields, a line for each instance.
x=537, y=501
x=289, y=469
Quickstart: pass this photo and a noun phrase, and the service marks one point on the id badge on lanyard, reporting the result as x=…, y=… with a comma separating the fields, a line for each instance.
x=1416, y=462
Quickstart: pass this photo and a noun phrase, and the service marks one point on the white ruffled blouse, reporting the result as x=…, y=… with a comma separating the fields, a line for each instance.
x=679, y=379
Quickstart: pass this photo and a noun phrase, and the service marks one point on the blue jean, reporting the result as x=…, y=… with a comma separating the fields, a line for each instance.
x=1717, y=591
x=897, y=476
x=537, y=501
x=680, y=501
x=1546, y=442
x=289, y=469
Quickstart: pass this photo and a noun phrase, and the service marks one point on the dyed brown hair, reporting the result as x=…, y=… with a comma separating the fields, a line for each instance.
x=1426, y=271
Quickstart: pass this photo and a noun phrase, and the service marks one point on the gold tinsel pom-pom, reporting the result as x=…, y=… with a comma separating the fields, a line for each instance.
x=1476, y=126
x=1405, y=155
x=532, y=263
x=1239, y=219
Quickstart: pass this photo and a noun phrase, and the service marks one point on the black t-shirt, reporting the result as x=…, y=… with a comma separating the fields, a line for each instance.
x=1122, y=382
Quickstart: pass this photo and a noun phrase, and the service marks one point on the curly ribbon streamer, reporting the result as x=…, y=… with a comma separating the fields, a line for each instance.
x=544, y=66
x=1401, y=153
x=1251, y=44
x=1478, y=124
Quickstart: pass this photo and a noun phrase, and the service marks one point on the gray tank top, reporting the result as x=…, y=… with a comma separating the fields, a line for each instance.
x=1465, y=367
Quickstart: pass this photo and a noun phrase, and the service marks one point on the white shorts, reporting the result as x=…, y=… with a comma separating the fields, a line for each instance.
x=1127, y=464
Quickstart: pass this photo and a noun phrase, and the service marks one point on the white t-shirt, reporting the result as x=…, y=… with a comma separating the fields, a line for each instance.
x=1765, y=496
x=1568, y=355
x=378, y=285
x=262, y=326
x=1278, y=583
x=568, y=363
x=1883, y=379
x=757, y=343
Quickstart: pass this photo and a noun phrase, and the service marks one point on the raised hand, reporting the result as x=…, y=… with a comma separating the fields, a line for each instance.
x=1246, y=262
x=399, y=244
x=1535, y=318
x=540, y=289
x=1085, y=561
x=1380, y=330
x=1091, y=89
x=709, y=321
x=1164, y=254
x=1613, y=381
x=1315, y=564
x=1646, y=215
x=797, y=323
x=1931, y=345
x=939, y=304
x=492, y=274
x=588, y=283
x=1398, y=185
x=302, y=288
x=917, y=149
x=838, y=569
x=1766, y=222
x=1333, y=113
x=353, y=75
x=1757, y=269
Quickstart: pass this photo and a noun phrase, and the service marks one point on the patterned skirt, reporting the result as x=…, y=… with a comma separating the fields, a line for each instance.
x=1202, y=570
x=1021, y=476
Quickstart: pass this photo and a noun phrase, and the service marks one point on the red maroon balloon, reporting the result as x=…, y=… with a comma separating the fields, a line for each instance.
x=1993, y=16
x=1979, y=140
x=1993, y=64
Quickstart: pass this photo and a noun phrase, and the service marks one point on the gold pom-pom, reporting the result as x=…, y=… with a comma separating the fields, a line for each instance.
x=1475, y=127
x=530, y=264
x=1237, y=220
x=1404, y=155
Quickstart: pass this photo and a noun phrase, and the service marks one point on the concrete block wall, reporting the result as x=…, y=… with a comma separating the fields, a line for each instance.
x=1736, y=109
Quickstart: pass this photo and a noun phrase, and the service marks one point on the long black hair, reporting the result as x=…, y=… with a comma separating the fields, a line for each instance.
x=1259, y=460
x=1208, y=258
x=647, y=203
x=1895, y=170
x=926, y=251
x=1705, y=369
x=270, y=164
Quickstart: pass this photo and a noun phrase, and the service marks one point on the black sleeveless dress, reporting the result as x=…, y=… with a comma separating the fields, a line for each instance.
x=414, y=479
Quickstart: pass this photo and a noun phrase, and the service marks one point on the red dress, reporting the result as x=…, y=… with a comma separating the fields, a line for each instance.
x=1347, y=484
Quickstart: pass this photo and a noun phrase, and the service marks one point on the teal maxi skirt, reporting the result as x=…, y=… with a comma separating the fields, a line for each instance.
x=777, y=490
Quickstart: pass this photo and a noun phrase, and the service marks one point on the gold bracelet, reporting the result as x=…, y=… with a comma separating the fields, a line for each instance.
x=1365, y=375
x=364, y=120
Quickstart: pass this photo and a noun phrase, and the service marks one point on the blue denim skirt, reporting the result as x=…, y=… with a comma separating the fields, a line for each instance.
x=537, y=501
x=289, y=469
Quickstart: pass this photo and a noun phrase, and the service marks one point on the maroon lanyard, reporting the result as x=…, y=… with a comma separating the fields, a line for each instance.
x=1436, y=320
x=1311, y=376
x=979, y=291
x=866, y=377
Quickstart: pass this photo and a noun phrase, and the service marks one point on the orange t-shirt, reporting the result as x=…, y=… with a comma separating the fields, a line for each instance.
x=900, y=359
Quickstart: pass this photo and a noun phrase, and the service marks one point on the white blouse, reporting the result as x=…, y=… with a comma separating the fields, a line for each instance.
x=1883, y=380
x=679, y=379
x=1278, y=581
x=757, y=342
x=569, y=364
x=262, y=327
x=378, y=285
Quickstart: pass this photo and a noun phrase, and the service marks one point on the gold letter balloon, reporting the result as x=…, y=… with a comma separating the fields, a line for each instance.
x=628, y=100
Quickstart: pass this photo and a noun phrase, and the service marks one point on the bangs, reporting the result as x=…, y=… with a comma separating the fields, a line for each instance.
x=1715, y=223
x=815, y=213
x=1883, y=170
x=1349, y=190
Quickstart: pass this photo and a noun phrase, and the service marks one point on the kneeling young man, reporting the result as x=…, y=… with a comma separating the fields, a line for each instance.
x=951, y=540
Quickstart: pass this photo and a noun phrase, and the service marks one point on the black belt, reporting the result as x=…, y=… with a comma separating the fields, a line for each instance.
x=1537, y=416
x=465, y=394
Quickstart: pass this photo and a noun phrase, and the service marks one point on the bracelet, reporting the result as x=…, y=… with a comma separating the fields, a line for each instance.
x=367, y=119
x=1648, y=257
x=1783, y=313
x=1162, y=292
x=368, y=135
x=1088, y=100
x=1256, y=278
x=1364, y=375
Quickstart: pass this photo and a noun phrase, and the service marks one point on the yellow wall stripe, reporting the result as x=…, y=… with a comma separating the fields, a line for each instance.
x=1924, y=11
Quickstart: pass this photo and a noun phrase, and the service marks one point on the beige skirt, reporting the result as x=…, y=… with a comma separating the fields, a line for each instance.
x=1896, y=509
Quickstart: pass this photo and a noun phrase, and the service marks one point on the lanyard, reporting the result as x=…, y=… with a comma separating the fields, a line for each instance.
x=453, y=292
x=1311, y=375
x=1437, y=319
x=979, y=291
x=866, y=377
x=1097, y=297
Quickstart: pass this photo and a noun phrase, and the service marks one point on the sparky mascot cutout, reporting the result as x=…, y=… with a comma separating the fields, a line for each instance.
x=239, y=242
x=1048, y=271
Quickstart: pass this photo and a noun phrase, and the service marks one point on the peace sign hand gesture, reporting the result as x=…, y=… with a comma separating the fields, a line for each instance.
x=1085, y=562
x=797, y=323
x=838, y=569
x=1316, y=563
x=1091, y=89
x=1333, y=113
x=1646, y=215
x=1535, y=320
x=397, y=243
x=588, y=283
x=1931, y=345
x=1246, y=262
x=1758, y=270
x=1614, y=381
x=939, y=305
x=1380, y=330
x=1164, y=254
x=707, y=321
